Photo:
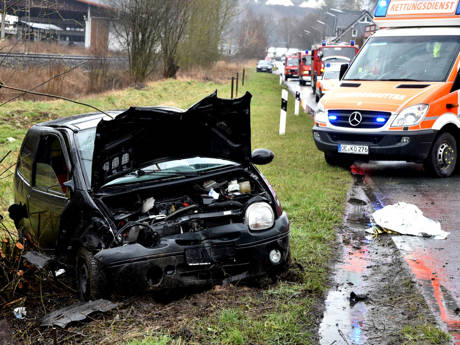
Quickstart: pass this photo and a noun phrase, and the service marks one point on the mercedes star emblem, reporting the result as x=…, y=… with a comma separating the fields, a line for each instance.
x=355, y=118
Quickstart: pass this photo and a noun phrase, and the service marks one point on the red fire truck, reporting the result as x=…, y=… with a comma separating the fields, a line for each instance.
x=336, y=53
x=304, y=67
x=291, y=67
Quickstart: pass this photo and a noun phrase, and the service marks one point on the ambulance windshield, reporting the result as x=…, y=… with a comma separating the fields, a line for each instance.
x=348, y=52
x=408, y=58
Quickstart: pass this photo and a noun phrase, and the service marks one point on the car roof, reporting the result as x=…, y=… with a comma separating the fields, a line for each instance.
x=90, y=120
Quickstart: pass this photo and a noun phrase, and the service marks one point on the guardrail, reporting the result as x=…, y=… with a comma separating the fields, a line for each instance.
x=15, y=59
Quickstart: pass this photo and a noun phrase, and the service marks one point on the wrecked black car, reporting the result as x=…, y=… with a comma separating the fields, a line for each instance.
x=151, y=197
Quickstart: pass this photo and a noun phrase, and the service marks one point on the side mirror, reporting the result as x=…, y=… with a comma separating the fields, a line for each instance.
x=69, y=184
x=343, y=70
x=262, y=156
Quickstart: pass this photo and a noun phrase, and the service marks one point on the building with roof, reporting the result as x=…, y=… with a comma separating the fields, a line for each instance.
x=80, y=22
x=344, y=25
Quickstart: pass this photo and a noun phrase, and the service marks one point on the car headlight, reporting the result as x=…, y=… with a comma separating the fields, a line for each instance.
x=259, y=216
x=321, y=113
x=410, y=116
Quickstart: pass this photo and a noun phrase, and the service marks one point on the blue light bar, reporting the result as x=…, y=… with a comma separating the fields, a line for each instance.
x=328, y=65
x=306, y=51
x=352, y=42
x=458, y=9
x=382, y=8
x=380, y=119
x=332, y=117
x=323, y=43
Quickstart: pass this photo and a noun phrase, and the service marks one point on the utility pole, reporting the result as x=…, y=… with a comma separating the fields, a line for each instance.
x=2, y=34
x=28, y=27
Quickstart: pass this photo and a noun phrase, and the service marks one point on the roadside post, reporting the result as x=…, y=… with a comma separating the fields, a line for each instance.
x=281, y=78
x=284, y=100
x=236, y=90
x=297, y=103
x=233, y=80
x=244, y=75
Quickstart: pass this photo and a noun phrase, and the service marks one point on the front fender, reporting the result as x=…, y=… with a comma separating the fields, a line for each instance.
x=445, y=119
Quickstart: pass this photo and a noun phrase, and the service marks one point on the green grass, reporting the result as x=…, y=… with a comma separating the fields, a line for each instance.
x=311, y=192
x=424, y=335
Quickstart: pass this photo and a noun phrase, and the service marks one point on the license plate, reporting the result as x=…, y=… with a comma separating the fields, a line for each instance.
x=355, y=149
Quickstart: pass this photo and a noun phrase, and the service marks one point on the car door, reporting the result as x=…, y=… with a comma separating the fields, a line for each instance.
x=23, y=183
x=48, y=196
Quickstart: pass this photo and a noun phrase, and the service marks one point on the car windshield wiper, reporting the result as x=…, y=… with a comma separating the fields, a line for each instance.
x=399, y=79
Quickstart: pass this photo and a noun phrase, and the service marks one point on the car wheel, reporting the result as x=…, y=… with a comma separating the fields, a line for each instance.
x=335, y=160
x=317, y=97
x=443, y=156
x=91, y=280
x=285, y=77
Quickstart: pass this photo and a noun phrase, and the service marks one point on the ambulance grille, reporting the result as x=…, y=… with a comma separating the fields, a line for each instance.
x=370, y=119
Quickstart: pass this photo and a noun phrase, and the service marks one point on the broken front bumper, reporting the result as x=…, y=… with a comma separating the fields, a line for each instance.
x=220, y=254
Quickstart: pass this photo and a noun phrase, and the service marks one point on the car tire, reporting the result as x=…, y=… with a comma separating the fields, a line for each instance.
x=442, y=159
x=317, y=97
x=91, y=280
x=336, y=160
x=285, y=77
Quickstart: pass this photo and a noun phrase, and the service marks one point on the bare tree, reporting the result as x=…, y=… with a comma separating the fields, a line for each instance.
x=253, y=38
x=138, y=26
x=209, y=23
x=176, y=14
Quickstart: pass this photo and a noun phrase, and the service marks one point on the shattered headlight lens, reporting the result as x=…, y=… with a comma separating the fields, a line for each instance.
x=410, y=116
x=259, y=216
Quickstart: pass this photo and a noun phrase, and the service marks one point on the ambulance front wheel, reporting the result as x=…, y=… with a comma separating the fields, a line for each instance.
x=443, y=156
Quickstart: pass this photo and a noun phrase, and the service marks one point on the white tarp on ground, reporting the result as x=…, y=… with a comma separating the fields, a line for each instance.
x=405, y=219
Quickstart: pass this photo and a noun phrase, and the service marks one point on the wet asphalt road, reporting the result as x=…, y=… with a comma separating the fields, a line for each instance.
x=435, y=264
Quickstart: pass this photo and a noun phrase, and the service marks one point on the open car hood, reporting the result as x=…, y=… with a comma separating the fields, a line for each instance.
x=213, y=127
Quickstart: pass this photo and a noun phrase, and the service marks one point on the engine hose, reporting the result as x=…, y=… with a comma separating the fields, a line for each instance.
x=181, y=211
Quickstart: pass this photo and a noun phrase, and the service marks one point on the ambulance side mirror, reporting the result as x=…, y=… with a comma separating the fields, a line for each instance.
x=343, y=70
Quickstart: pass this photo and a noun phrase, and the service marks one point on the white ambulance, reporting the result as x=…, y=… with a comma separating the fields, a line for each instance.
x=399, y=99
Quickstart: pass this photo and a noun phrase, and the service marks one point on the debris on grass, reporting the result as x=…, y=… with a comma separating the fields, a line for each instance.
x=77, y=312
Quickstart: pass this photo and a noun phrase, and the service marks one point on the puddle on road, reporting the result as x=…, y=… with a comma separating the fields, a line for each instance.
x=342, y=319
x=435, y=285
x=344, y=322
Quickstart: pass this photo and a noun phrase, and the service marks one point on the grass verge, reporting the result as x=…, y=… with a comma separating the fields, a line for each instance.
x=311, y=192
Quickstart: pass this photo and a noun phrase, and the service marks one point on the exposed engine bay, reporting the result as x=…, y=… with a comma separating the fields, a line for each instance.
x=145, y=216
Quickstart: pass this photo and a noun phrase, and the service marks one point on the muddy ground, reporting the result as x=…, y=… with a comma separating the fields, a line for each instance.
x=373, y=295
x=177, y=313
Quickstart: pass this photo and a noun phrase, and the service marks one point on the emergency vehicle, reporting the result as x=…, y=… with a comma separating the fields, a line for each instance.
x=304, y=67
x=328, y=81
x=291, y=67
x=399, y=99
x=337, y=51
